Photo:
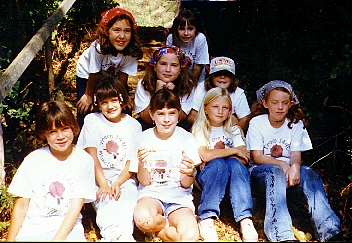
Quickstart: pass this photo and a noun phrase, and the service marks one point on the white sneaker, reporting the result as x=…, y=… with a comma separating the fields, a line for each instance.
x=207, y=230
x=249, y=234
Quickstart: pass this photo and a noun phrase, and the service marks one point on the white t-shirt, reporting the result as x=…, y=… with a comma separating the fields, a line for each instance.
x=219, y=139
x=51, y=184
x=196, y=50
x=113, y=141
x=142, y=99
x=276, y=142
x=240, y=105
x=165, y=183
x=93, y=62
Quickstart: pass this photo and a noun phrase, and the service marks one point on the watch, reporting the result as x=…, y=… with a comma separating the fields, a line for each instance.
x=194, y=173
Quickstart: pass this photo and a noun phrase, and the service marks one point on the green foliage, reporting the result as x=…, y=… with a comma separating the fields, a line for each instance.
x=6, y=206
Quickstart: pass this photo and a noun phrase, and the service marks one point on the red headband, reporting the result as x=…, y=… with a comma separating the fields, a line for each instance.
x=111, y=13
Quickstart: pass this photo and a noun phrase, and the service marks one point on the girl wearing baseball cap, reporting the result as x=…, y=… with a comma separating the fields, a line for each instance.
x=222, y=74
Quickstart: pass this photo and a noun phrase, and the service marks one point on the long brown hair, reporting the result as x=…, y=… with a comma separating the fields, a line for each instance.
x=295, y=113
x=133, y=48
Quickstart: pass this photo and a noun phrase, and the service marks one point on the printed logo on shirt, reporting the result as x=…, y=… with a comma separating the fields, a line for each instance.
x=163, y=164
x=56, y=200
x=222, y=142
x=114, y=152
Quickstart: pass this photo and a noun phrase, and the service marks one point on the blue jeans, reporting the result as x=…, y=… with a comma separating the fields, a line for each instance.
x=270, y=180
x=213, y=179
x=81, y=84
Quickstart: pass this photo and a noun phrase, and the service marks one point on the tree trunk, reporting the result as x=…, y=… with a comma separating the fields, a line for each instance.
x=2, y=159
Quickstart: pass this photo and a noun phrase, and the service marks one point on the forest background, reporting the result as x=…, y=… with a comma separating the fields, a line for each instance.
x=306, y=43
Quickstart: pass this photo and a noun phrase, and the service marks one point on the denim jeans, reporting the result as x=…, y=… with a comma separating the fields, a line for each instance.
x=81, y=84
x=213, y=179
x=270, y=180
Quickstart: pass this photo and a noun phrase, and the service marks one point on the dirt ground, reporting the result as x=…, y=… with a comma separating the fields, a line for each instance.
x=227, y=228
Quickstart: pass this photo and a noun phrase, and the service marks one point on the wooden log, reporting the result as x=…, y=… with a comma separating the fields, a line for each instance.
x=14, y=71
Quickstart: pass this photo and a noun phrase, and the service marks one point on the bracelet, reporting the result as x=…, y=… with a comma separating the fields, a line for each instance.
x=194, y=173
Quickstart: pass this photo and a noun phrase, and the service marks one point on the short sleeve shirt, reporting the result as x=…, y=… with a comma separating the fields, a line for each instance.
x=51, y=185
x=92, y=61
x=276, y=142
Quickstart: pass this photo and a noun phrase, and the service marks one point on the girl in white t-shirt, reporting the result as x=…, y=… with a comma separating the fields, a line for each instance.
x=188, y=34
x=108, y=136
x=276, y=137
x=53, y=182
x=223, y=152
x=167, y=156
x=114, y=53
x=222, y=74
x=166, y=70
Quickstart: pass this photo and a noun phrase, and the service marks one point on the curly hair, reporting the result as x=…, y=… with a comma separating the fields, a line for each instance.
x=295, y=113
x=133, y=48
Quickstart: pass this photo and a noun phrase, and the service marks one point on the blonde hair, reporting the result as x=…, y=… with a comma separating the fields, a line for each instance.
x=201, y=126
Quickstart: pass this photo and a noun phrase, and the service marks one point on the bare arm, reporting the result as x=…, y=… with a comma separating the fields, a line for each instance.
x=187, y=170
x=260, y=158
x=123, y=177
x=70, y=219
x=17, y=217
x=197, y=70
x=239, y=152
x=86, y=101
x=192, y=116
x=243, y=123
x=143, y=174
x=104, y=188
x=123, y=78
x=293, y=173
x=145, y=115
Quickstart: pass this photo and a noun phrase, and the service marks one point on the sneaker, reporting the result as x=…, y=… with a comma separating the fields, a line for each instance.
x=249, y=234
x=207, y=230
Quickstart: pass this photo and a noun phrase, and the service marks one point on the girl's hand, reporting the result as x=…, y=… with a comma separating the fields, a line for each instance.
x=142, y=154
x=187, y=165
x=84, y=104
x=163, y=85
x=293, y=175
x=242, y=154
x=115, y=190
x=103, y=192
x=130, y=103
x=234, y=120
x=160, y=85
x=170, y=86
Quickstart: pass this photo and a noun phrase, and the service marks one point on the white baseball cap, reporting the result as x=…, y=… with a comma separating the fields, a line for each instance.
x=222, y=63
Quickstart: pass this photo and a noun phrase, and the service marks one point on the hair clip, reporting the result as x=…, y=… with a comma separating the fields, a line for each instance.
x=95, y=99
x=121, y=98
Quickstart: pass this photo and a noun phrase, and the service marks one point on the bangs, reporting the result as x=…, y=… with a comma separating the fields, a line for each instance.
x=59, y=119
x=190, y=21
x=164, y=98
x=106, y=92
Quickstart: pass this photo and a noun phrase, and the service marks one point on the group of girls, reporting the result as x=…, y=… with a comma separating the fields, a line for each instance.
x=144, y=169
